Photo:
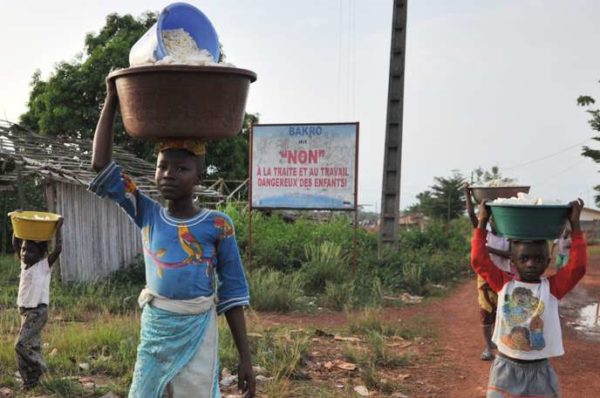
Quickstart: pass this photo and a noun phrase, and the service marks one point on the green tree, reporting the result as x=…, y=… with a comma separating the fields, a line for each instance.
x=69, y=102
x=588, y=152
x=444, y=200
x=228, y=159
x=423, y=204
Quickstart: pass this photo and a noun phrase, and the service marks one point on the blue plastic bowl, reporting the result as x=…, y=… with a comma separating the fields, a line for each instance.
x=193, y=21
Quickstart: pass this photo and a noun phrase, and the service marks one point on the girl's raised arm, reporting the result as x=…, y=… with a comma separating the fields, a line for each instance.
x=103, y=137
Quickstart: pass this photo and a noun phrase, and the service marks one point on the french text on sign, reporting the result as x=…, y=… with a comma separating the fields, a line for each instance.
x=303, y=156
x=304, y=166
x=309, y=131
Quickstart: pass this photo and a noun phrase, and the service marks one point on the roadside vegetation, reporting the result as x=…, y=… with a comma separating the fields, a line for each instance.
x=302, y=267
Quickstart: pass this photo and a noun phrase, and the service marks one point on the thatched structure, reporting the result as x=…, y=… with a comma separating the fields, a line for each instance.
x=98, y=238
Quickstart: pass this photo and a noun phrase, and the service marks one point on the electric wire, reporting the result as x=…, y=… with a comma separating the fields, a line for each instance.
x=529, y=162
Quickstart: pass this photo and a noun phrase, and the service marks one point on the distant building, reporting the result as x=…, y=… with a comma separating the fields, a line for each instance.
x=413, y=220
x=590, y=223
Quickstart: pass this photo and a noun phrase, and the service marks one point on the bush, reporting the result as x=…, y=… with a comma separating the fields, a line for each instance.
x=337, y=295
x=325, y=263
x=273, y=290
x=368, y=289
x=413, y=278
x=436, y=255
x=280, y=244
x=321, y=251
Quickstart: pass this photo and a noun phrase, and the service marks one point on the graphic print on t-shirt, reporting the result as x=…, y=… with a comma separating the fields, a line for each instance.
x=187, y=242
x=523, y=327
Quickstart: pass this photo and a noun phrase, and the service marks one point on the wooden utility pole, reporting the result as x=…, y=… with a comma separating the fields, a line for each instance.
x=392, y=161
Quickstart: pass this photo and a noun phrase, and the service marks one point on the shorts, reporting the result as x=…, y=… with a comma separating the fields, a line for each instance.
x=511, y=379
x=488, y=301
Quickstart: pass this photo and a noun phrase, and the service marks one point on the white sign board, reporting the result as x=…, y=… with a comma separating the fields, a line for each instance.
x=304, y=166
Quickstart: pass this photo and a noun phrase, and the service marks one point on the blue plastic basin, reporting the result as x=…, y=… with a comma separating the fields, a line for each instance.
x=193, y=21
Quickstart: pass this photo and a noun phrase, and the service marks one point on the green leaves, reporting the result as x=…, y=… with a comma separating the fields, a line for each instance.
x=594, y=154
x=68, y=103
x=445, y=200
x=585, y=100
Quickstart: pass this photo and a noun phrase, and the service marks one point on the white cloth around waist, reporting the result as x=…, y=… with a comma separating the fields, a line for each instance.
x=198, y=305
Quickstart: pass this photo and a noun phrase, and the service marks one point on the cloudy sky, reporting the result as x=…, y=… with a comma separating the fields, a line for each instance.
x=488, y=82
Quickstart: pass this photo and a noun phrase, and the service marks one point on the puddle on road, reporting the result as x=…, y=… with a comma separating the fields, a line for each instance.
x=588, y=320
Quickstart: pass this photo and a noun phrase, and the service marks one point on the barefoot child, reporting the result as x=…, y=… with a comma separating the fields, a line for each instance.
x=193, y=271
x=33, y=299
x=499, y=249
x=527, y=330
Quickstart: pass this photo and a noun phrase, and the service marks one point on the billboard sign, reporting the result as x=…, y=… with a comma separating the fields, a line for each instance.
x=304, y=166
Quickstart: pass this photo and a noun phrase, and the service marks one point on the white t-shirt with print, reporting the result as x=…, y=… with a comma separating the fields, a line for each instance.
x=527, y=321
x=34, y=286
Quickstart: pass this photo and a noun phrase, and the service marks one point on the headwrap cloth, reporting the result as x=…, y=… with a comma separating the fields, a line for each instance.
x=195, y=146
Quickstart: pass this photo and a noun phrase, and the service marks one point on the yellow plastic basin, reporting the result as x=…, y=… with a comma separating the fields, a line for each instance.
x=34, y=225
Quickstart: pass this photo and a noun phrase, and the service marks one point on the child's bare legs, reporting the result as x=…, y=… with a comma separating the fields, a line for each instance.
x=488, y=331
x=487, y=302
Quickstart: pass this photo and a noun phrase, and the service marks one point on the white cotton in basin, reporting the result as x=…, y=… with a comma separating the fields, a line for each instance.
x=499, y=182
x=526, y=199
x=183, y=50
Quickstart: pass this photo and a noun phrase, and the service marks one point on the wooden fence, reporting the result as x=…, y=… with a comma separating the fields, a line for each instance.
x=98, y=237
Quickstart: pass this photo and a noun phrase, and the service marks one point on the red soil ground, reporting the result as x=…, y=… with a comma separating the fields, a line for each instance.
x=449, y=366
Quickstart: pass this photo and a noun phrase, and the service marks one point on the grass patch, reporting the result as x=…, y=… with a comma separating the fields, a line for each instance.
x=416, y=327
x=108, y=344
x=368, y=321
x=382, y=355
x=75, y=301
x=371, y=376
x=372, y=359
x=274, y=290
x=413, y=277
x=337, y=296
x=92, y=323
x=298, y=265
x=325, y=264
x=280, y=351
x=376, y=356
x=62, y=387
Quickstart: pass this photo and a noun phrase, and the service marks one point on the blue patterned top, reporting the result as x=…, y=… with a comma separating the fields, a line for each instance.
x=181, y=255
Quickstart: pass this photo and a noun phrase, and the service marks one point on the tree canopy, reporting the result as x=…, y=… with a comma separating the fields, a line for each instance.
x=444, y=200
x=594, y=122
x=69, y=101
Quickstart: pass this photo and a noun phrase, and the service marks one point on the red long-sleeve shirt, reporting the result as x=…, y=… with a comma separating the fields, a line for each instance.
x=560, y=283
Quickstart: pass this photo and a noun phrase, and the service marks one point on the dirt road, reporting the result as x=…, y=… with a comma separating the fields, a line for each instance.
x=448, y=366
x=460, y=373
